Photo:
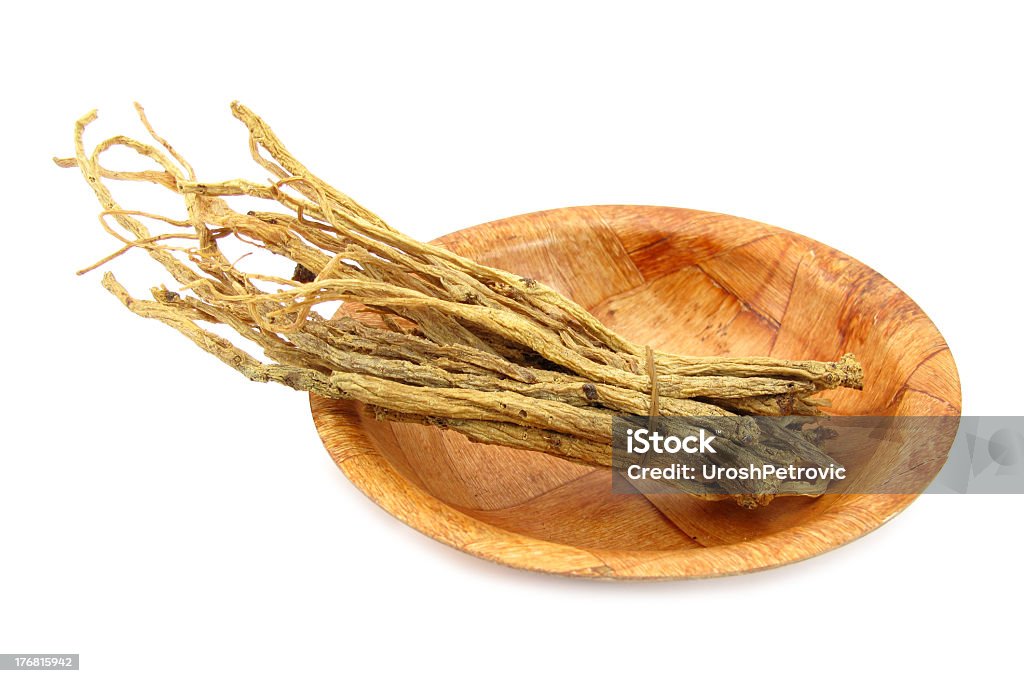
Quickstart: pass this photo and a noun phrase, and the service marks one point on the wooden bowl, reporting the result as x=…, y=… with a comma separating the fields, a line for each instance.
x=682, y=281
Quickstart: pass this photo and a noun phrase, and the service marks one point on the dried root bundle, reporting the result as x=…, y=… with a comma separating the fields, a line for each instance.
x=425, y=335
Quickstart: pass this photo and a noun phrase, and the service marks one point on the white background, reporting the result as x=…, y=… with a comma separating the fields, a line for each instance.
x=234, y=549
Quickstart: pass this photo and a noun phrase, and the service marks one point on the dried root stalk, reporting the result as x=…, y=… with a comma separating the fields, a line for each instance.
x=428, y=336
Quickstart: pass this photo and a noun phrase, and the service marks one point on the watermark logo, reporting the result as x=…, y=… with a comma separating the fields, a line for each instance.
x=811, y=456
x=986, y=457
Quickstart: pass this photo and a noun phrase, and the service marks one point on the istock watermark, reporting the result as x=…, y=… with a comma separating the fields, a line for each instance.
x=820, y=455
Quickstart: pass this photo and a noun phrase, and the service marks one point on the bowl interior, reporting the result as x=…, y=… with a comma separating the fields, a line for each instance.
x=683, y=281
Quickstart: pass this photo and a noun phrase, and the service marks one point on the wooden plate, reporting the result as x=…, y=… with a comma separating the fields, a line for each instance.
x=682, y=281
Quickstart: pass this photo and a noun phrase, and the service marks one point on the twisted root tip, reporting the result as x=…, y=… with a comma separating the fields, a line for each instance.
x=851, y=371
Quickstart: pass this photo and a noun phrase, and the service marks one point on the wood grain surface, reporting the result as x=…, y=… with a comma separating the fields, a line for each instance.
x=683, y=281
